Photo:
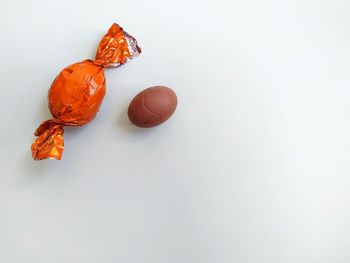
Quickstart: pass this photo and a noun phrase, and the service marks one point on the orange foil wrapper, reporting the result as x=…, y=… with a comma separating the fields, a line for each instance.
x=77, y=92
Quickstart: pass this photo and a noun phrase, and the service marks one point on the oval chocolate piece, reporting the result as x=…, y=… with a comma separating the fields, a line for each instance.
x=152, y=106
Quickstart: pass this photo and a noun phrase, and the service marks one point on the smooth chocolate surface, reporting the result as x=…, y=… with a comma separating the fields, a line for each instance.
x=152, y=106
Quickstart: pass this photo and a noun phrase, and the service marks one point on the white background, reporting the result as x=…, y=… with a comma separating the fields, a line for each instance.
x=253, y=167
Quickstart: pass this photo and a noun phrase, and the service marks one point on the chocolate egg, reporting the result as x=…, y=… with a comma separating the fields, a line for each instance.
x=152, y=106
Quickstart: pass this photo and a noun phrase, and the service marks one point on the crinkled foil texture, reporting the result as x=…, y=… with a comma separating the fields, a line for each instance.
x=116, y=48
x=77, y=92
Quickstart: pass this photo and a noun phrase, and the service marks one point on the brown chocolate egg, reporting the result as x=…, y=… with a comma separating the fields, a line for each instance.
x=152, y=106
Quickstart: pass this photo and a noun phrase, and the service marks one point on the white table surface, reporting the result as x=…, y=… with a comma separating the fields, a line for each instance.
x=253, y=167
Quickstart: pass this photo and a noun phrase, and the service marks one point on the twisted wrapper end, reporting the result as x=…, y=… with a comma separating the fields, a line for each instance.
x=49, y=144
x=116, y=48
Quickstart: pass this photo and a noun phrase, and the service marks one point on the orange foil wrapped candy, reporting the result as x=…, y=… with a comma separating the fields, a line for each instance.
x=77, y=92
